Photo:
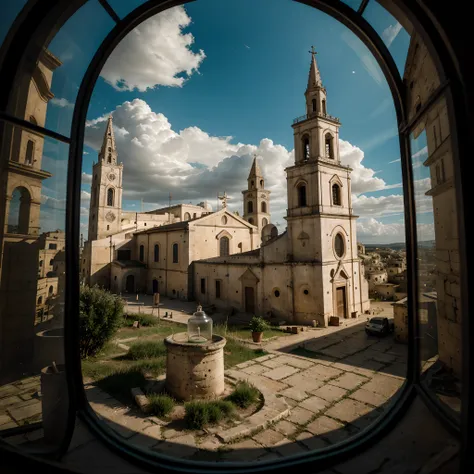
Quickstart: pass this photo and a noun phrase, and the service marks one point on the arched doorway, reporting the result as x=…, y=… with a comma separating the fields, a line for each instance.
x=155, y=286
x=130, y=284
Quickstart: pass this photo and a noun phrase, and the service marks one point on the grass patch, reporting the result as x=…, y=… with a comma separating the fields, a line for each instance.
x=146, y=320
x=160, y=405
x=244, y=395
x=199, y=414
x=235, y=353
x=146, y=350
x=119, y=383
x=244, y=332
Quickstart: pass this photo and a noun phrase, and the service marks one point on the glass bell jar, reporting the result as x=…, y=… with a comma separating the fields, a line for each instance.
x=199, y=327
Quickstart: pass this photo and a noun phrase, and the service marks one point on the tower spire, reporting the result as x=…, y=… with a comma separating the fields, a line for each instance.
x=255, y=171
x=108, y=151
x=314, y=77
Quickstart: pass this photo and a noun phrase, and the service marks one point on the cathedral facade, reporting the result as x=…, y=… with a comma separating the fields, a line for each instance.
x=312, y=270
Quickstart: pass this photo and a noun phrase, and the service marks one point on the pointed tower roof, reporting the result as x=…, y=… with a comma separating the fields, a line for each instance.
x=255, y=171
x=314, y=78
x=108, y=149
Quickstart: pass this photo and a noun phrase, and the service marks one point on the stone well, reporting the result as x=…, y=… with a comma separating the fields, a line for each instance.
x=194, y=370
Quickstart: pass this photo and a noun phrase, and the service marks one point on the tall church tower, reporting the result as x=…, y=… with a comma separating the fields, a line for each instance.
x=256, y=199
x=321, y=225
x=106, y=189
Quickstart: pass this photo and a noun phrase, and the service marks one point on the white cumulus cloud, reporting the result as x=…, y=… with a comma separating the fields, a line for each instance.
x=156, y=53
x=390, y=33
x=61, y=103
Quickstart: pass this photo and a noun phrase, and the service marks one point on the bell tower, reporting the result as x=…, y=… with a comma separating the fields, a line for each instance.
x=106, y=189
x=256, y=198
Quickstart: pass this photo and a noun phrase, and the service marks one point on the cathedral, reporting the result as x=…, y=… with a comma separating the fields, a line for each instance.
x=308, y=273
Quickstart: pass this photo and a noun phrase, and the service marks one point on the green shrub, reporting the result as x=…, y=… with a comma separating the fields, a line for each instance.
x=226, y=407
x=214, y=413
x=258, y=324
x=146, y=350
x=145, y=320
x=160, y=405
x=100, y=315
x=196, y=415
x=120, y=383
x=244, y=395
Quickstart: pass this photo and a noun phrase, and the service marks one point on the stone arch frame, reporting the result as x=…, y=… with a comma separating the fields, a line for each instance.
x=328, y=139
x=108, y=193
x=300, y=183
x=335, y=180
x=219, y=236
x=263, y=207
x=187, y=216
x=156, y=252
x=24, y=209
x=339, y=230
x=305, y=146
x=341, y=279
x=30, y=152
x=136, y=279
x=173, y=246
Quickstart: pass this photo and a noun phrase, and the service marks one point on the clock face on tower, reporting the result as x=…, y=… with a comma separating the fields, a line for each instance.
x=110, y=216
x=111, y=177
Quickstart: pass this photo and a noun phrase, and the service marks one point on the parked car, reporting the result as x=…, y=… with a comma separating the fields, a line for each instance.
x=379, y=326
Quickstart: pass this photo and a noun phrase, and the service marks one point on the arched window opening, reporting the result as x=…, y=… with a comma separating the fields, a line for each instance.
x=141, y=256
x=19, y=214
x=252, y=183
x=41, y=263
x=156, y=253
x=336, y=195
x=264, y=207
x=250, y=221
x=264, y=222
x=328, y=146
x=339, y=247
x=175, y=253
x=314, y=105
x=50, y=290
x=110, y=148
x=110, y=197
x=33, y=120
x=51, y=262
x=109, y=158
x=187, y=216
x=261, y=183
x=323, y=103
x=302, y=195
x=249, y=207
x=306, y=151
x=40, y=300
x=30, y=152
x=194, y=216
x=224, y=247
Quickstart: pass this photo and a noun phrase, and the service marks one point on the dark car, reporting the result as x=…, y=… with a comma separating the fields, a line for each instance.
x=379, y=326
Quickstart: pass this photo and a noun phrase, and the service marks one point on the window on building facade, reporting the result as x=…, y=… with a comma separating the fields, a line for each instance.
x=306, y=148
x=175, y=253
x=302, y=195
x=141, y=255
x=218, y=288
x=19, y=212
x=203, y=286
x=264, y=206
x=249, y=207
x=264, y=222
x=156, y=253
x=40, y=300
x=30, y=150
x=339, y=247
x=336, y=195
x=323, y=102
x=224, y=246
x=187, y=216
x=329, y=146
x=314, y=105
x=110, y=197
x=250, y=220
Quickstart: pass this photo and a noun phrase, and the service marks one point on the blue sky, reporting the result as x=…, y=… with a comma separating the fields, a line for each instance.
x=249, y=65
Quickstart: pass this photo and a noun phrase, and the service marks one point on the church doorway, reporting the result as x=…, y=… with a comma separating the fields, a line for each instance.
x=130, y=284
x=155, y=286
x=341, y=302
x=249, y=299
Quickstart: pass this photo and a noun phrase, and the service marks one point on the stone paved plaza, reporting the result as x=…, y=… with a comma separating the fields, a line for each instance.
x=342, y=383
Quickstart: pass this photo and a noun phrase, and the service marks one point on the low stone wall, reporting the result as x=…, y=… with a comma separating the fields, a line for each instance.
x=194, y=371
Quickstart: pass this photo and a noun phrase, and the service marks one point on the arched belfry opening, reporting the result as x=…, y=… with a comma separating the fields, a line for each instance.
x=306, y=148
x=19, y=213
x=110, y=197
x=336, y=194
x=328, y=146
x=301, y=190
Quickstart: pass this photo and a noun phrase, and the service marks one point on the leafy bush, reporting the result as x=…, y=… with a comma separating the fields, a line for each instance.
x=226, y=407
x=244, y=395
x=100, y=315
x=258, y=324
x=160, y=405
x=145, y=320
x=214, y=413
x=146, y=350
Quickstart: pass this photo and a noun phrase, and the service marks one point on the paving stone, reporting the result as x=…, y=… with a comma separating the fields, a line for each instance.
x=291, y=403
x=285, y=427
x=5, y=402
x=314, y=404
x=264, y=358
x=7, y=390
x=243, y=365
x=268, y=437
x=322, y=372
x=4, y=419
x=383, y=357
x=294, y=393
x=310, y=441
x=25, y=411
x=367, y=368
x=304, y=382
x=330, y=393
x=322, y=425
x=210, y=443
x=182, y=446
x=300, y=416
x=143, y=441
x=288, y=448
x=348, y=410
x=281, y=372
x=255, y=369
x=272, y=385
x=153, y=431
x=349, y=381
x=170, y=433
x=294, y=361
x=247, y=450
x=7, y=426
x=272, y=363
x=336, y=436
x=383, y=385
x=370, y=398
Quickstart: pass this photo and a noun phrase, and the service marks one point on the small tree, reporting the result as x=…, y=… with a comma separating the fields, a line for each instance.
x=100, y=315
